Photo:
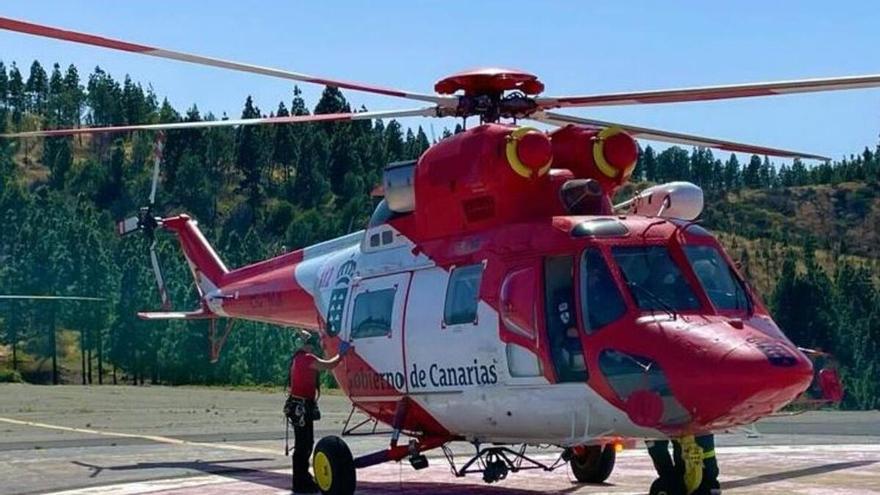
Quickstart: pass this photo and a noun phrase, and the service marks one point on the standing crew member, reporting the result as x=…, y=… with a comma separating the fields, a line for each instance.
x=301, y=407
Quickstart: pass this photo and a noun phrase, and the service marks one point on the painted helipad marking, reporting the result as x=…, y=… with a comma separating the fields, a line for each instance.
x=144, y=487
x=153, y=438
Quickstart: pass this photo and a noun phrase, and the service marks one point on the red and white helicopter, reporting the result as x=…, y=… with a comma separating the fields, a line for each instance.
x=498, y=297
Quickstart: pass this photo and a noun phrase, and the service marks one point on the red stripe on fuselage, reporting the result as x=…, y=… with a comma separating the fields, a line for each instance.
x=268, y=291
x=371, y=393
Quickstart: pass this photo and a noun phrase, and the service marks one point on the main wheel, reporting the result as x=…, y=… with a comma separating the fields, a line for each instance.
x=593, y=464
x=334, y=467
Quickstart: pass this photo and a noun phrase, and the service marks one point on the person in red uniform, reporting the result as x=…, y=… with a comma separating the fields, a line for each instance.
x=301, y=406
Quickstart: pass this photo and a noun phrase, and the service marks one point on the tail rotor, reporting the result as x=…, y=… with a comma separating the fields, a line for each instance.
x=146, y=222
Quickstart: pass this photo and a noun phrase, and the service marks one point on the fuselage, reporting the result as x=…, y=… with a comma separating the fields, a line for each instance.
x=563, y=331
x=482, y=297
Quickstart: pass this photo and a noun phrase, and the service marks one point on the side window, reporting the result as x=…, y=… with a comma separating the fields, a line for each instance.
x=601, y=302
x=519, y=300
x=463, y=295
x=372, y=314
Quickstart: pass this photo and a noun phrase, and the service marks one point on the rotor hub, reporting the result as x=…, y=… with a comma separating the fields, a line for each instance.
x=490, y=80
x=484, y=93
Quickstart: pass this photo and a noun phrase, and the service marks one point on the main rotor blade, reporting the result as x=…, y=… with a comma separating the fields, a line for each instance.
x=293, y=119
x=50, y=298
x=707, y=93
x=673, y=137
x=90, y=39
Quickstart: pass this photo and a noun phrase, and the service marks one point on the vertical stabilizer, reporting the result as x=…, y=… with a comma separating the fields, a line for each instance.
x=207, y=268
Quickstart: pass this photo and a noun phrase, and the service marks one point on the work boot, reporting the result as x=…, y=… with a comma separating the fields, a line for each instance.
x=305, y=485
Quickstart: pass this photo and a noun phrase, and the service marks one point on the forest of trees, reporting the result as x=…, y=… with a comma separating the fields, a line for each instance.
x=258, y=191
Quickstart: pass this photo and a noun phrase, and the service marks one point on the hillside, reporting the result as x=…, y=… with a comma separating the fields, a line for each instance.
x=806, y=234
x=843, y=219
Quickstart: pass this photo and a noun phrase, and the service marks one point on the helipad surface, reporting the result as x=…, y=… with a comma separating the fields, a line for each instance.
x=136, y=440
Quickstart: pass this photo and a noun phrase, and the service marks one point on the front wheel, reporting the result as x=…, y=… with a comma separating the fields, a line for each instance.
x=665, y=486
x=593, y=464
x=334, y=467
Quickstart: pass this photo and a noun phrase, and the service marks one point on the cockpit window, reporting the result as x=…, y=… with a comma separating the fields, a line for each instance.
x=721, y=285
x=654, y=280
x=601, y=302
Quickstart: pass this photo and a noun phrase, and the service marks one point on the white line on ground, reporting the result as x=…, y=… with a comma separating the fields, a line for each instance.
x=144, y=487
x=154, y=438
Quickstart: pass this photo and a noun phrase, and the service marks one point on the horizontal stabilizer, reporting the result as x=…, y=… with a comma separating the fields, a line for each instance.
x=200, y=314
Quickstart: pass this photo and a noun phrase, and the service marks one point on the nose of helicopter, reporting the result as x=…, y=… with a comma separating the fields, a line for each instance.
x=752, y=376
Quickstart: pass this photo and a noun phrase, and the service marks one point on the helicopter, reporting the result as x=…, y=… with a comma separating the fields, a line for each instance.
x=497, y=296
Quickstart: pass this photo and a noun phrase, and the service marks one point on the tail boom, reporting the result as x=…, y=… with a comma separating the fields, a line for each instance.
x=267, y=291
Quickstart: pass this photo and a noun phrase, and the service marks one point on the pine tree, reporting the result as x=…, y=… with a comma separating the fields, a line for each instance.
x=784, y=304
x=649, y=164
x=732, y=173
x=37, y=88
x=286, y=148
x=252, y=154
x=105, y=99
x=752, y=173
x=4, y=85
x=55, y=101
x=74, y=98
x=332, y=101
x=298, y=105
x=17, y=99
x=767, y=173
x=798, y=173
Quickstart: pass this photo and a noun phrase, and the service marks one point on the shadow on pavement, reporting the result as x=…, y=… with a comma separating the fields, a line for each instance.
x=423, y=488
x=795, y=473
x=281, y=481
x=207, y=467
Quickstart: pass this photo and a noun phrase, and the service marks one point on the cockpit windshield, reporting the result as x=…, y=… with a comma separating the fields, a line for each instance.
x=654, y=280
x=721, y=285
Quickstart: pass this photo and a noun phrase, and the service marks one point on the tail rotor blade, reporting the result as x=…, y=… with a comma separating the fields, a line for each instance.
x=160, y=281
x=158, y=148
x=127, y=226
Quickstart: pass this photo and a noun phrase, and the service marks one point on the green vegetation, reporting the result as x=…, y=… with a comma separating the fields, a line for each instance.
x=9, y=376
x=807, y=237
x=257, y=191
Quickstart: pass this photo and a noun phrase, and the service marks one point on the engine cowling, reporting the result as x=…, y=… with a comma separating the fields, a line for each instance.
x=489, y=175
x=607, y=155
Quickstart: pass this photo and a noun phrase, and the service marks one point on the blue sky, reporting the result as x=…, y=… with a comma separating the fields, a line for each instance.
x=576, y=47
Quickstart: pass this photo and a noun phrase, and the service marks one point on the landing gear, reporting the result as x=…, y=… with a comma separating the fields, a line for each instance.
x=592, y=464
x=496, y=462
x=691, y=470
x=334, y=467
